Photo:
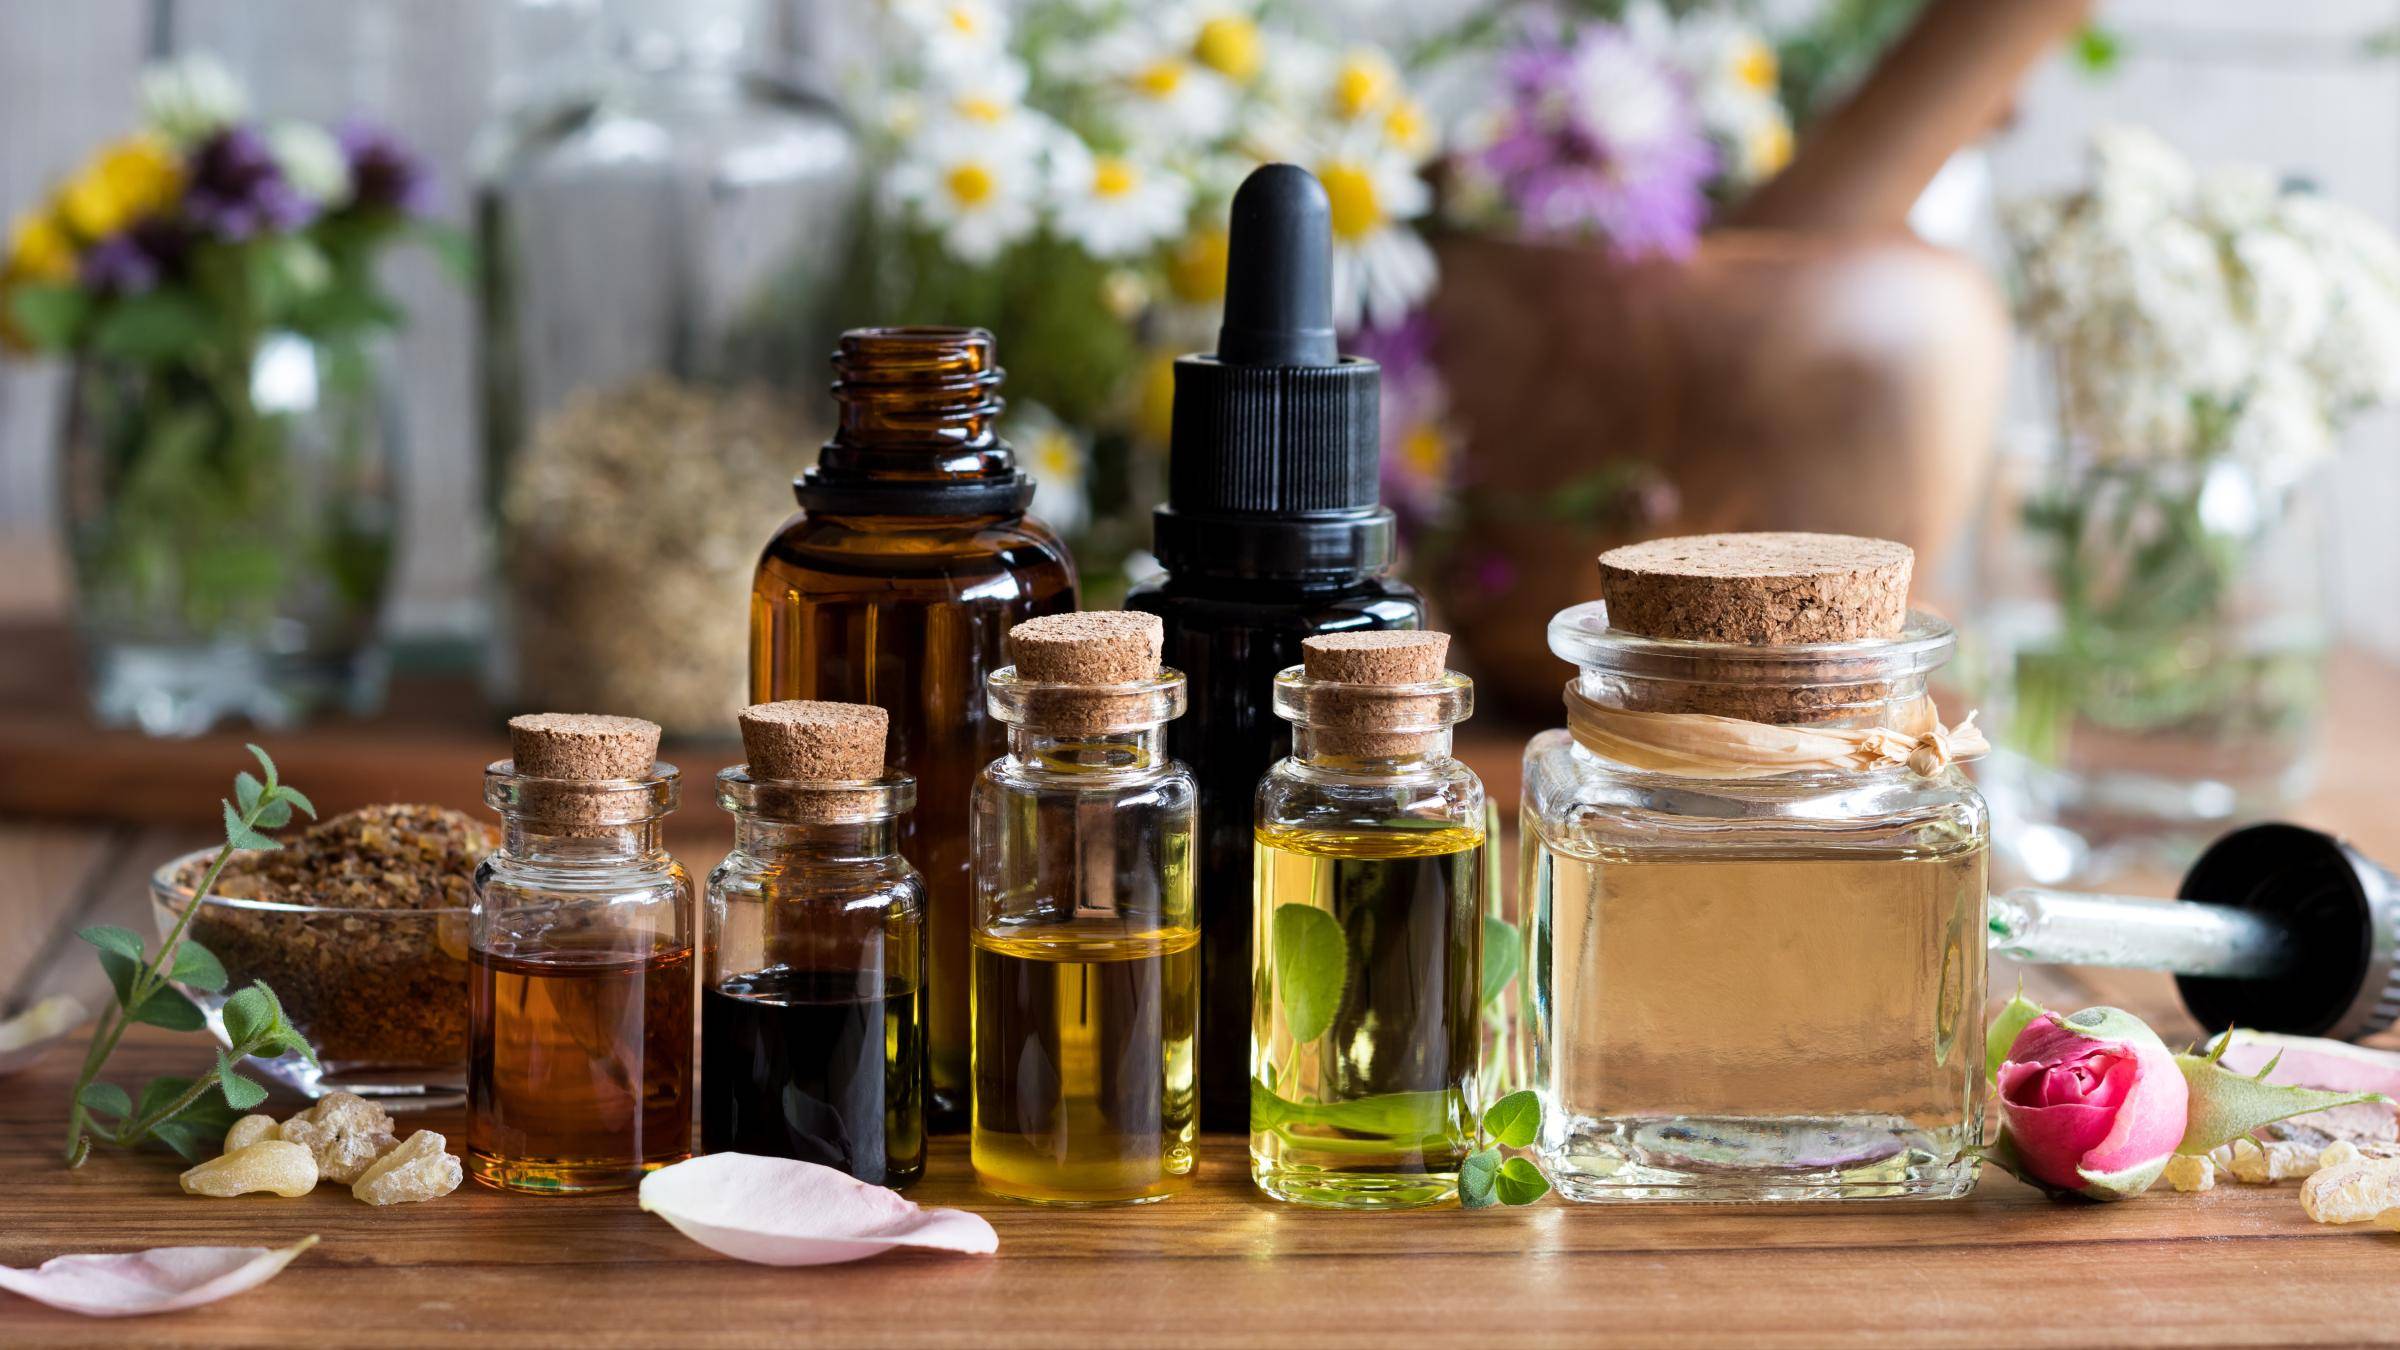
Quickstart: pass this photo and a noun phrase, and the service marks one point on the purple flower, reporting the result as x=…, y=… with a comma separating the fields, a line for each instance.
x=384, y=172
x=238, y=190
x=1600, y=139
x=134, y=259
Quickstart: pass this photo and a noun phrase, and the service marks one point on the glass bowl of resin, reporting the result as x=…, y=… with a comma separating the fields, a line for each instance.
x=359, y=925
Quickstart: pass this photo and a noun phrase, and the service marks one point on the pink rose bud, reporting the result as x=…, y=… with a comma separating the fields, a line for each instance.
x=2094, y=1103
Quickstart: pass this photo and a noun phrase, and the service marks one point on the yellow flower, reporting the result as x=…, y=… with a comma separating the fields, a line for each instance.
x=1228, y=45
x=39, y=249
x=1425, y=451
x=1154, y=409
x=1767, y=148
x=1196, y=271
x=1350, y=189
x=125, y=182
x=1364, y=82
x=1754, y=65
x=1406, y=126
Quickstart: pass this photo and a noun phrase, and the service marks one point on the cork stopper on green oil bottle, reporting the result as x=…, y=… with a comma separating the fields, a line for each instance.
x=1274, y=466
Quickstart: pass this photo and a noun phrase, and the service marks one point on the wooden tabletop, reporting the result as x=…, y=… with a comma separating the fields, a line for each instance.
x=1217, y=1266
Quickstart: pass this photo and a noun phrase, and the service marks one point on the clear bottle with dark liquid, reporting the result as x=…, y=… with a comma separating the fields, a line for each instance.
x=1086, y=940
x=579, y=1074
x=909, y=561
x=812, y=1035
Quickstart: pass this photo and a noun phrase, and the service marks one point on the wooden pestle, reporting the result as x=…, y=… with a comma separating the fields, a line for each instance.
x=1948, y=80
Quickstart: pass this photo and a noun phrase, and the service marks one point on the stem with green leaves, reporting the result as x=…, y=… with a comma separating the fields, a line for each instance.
x=146, y=991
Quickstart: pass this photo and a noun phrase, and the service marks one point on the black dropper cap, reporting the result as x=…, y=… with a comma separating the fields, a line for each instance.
x=2342, y=914
x=1273, y=467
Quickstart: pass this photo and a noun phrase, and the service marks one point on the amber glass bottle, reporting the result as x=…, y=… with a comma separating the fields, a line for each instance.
x=909, y=561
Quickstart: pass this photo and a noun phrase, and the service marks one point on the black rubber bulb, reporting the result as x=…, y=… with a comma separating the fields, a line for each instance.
x=1279, y=272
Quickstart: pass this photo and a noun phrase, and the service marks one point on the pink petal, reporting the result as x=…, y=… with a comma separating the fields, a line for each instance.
x=162, y=1279
x=783, y=1212
x=2152, y=1115
x=2052, y=1140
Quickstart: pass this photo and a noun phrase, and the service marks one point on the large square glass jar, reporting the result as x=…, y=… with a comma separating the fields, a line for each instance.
x=1754, y=988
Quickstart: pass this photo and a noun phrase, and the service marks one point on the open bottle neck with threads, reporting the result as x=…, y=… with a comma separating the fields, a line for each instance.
x=916, y=431
x=785, y=822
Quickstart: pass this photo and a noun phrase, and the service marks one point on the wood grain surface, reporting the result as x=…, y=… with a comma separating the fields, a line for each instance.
x=1217, y=1266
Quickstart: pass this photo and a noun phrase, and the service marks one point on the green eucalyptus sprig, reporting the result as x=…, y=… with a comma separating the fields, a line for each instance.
x=1489, y=1176
x=189, y=1115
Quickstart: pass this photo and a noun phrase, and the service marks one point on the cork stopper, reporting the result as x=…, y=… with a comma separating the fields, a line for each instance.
x=802, y=741
x=582, y=773
x=1349, y=712
x=1759, y=589
x=582, y=747
x=1086, y=661
x=1102, y=647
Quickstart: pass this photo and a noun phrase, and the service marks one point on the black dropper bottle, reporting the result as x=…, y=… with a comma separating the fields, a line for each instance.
x=1272, y=532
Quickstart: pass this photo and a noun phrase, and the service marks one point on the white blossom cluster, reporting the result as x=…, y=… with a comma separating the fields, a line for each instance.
x=2202, y=313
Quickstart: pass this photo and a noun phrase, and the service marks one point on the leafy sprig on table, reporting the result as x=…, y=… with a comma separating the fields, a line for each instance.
x=189, y=1115
x=1488, y=1176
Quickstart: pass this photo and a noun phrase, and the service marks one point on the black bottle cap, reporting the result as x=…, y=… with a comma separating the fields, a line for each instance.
x=1273, y=468
x=2342, y=911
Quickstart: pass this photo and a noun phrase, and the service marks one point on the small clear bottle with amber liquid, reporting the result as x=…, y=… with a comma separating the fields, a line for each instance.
x=1756, y=884
x=1086, y=993
x=1370, y=842
x=579, y=1075
x=812, y=1004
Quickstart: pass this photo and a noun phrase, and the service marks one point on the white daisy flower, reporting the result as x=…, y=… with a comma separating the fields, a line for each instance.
x=1733, y=78
x=1381, y=268
x=974, y=185
x=955, y=36
x=1055, y=458
x=1117, y=205
x=1161, y=93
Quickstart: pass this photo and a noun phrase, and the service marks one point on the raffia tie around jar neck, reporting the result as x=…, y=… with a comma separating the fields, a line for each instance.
x=1379, y=695
x=1746, y=655
x=581, y=775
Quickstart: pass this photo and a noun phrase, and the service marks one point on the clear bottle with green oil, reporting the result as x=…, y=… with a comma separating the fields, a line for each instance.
x=1370, y=858
x=1085, y=1008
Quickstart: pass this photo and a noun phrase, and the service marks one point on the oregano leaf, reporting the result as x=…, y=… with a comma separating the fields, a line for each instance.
x=1520, y=1183
x=1478, y=1179
x=250, y=1015
x=246, y=791
x=240, y=1093
x=121, y=973
x=294, y=796
x=1312, y=968
x=1502, y=958
x=105, y=1097
x=110, y=938
x=159, y=1091
x=1516, y=1119
x=190, y=1138
x=198, y=967
x=167, y=1007
x=274, y=813
x=264, y=763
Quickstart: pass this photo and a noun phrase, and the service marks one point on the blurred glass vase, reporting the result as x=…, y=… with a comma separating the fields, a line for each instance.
x=231, y=527
x=2157, y=635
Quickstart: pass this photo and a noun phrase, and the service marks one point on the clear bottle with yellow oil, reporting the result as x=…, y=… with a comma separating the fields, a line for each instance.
x=1085, y=1004
x=1365, y=1023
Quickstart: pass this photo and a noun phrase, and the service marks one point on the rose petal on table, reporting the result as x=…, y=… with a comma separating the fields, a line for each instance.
x=784, y=1212
x=162, y=1279
x=27, y=1036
